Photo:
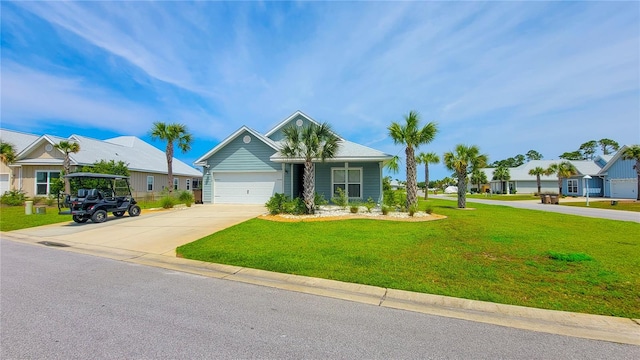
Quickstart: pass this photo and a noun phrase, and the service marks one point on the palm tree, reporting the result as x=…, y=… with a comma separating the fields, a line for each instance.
x=412, y=136
x=310, y=143
x=67, y=147
x=478, y=177
x=426, y=159
x=463, y=160
x=171, y=133
x=7, y=152
x=538, y=171
x=564, y=169
x=502, y=173
x=633, y=153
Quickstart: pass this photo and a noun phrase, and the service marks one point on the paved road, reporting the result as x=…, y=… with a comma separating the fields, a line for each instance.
x=570, y=210
x=58, y=304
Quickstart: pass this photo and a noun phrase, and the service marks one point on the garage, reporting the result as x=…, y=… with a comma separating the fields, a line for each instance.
x=4, y=183
x=245, y=188
x=624, y=188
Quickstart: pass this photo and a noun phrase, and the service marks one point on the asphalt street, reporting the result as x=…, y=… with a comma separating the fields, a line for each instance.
x=57, y=304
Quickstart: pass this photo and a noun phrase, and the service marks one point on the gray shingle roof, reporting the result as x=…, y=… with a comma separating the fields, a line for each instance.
x=347, y=151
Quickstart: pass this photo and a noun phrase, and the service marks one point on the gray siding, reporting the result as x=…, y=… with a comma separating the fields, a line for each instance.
x=278, y=135
x=287, y=179
x=238, y=156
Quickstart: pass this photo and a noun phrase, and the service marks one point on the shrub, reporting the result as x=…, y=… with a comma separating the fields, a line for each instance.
x=570, y=257
x=37, y=200
x=51, y=200
x=413, y=209
x=167, y=202
x=295, y=206
x=429, y=209
x=186, y=197
x=370, y=204
x=13, y=198
x=340, y=199
x=384, y=209
x=277, y=204
x=389, y=198
x=319, y=200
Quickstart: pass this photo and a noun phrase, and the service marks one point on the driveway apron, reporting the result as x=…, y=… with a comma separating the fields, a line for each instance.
x=155, y=232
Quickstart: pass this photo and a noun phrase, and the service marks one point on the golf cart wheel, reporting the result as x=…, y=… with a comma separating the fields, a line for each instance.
x=99, y=216
x=118, y=213
x=134, y=210
x=79, y=219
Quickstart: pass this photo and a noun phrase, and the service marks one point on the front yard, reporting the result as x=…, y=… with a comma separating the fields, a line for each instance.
x=492, y=253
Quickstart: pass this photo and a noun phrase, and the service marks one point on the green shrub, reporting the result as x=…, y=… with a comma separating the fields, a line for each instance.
x=389, y=198
x=51, y=200
x=37, y=200
x=277, y=204
x=413, y=209
x=429, y=209
x=385, y=209
x=13, y=198
x=319, y=200
x=340, y=199
x=167, y=202
x=354, y=207
x=186, y=197
x=296, y=207
x=569, y=257
x=370, y=204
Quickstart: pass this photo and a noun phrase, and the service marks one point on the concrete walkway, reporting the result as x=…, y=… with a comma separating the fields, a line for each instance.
x=621, y=215
x=152, y=238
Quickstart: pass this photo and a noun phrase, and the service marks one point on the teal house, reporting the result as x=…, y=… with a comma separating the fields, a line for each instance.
x=248, y=168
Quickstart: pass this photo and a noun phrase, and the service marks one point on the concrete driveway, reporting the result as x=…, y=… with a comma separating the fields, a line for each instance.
x=155, y=232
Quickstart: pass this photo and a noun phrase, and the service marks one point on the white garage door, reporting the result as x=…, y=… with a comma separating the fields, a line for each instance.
x=624, y=188
x=4, y=183
x=245, y=188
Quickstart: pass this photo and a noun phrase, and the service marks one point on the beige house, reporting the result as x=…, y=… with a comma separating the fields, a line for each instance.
x=38, y=162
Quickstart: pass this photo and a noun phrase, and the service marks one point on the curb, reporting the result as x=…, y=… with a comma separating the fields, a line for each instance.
x=595, y=327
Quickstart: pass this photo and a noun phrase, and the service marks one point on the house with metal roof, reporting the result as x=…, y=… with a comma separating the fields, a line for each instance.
x=38, y=163
x=248, y=168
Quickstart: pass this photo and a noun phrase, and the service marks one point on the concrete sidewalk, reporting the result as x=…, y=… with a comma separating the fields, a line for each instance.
x=606, y=328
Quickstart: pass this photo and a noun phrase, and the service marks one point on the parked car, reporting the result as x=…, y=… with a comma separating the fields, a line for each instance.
x=95, y=195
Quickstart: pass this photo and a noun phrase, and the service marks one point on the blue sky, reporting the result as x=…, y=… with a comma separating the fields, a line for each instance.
x=508, y=77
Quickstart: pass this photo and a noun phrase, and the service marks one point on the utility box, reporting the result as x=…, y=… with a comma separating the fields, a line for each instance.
x=28, y=207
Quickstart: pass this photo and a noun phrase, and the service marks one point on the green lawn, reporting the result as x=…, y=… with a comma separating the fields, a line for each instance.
x=628, y=205
x=493, y=253
x=13, y=218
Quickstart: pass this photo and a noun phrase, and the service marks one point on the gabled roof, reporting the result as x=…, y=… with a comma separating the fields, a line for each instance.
x=202, y=160
x=139, y=155
x=284, y=123
x=19, y=140
x=347, y=151
x=613, y=159
x=521, y=173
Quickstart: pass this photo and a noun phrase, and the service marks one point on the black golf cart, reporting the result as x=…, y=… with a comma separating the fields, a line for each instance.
x=94, y=195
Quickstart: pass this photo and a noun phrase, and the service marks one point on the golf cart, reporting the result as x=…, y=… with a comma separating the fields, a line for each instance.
x=94, y=195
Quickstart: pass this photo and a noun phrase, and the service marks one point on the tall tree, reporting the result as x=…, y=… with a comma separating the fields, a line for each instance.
x=502, y=173
x=588, y=149
x=537, y=172
x=479, y=177
x=411, y=135
x=608, y=145
x=7, y=152
x=311, y=143
x=171, y=133
x=573, y=155
x=633, y=153
x=463, y=160
x=426, y=159
x=563, y=170
x=67, y=147
x=533, y=155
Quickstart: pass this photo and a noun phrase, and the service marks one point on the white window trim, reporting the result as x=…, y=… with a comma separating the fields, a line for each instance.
x=346, y=181
x=188, y=182
x=152, y=183
x=176, y=183
x=575, y=181
x=36, y=183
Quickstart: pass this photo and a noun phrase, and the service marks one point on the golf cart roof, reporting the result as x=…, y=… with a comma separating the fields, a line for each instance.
x=95, y=176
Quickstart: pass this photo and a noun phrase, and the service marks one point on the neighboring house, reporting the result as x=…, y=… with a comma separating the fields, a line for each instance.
x=38, y=162
x=397, y=185
x=247, y=168
x=611, y=176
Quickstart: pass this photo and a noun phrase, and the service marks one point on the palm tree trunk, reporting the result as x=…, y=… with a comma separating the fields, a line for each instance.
x=308, y=193
x=462, y=190
x=412, y=191
x=426, y=180
x=559, y=186
x=539, y=184
x=67, y=165
x=169, y=154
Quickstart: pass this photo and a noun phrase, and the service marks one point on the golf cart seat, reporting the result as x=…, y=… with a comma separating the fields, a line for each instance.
x=82, y=193
x=93, y=194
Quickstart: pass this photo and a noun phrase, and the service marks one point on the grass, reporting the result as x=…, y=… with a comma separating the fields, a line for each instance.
x=13, y=218
x=501, y=197
x=493, y=253
x=628, y=205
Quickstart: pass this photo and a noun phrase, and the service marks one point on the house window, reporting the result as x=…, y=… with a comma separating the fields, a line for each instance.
x=176, y=181
x=196, y=183
x=572, y=186
x=188, y=184
x=149, y=183
x=44, y=179
x=349, y=180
